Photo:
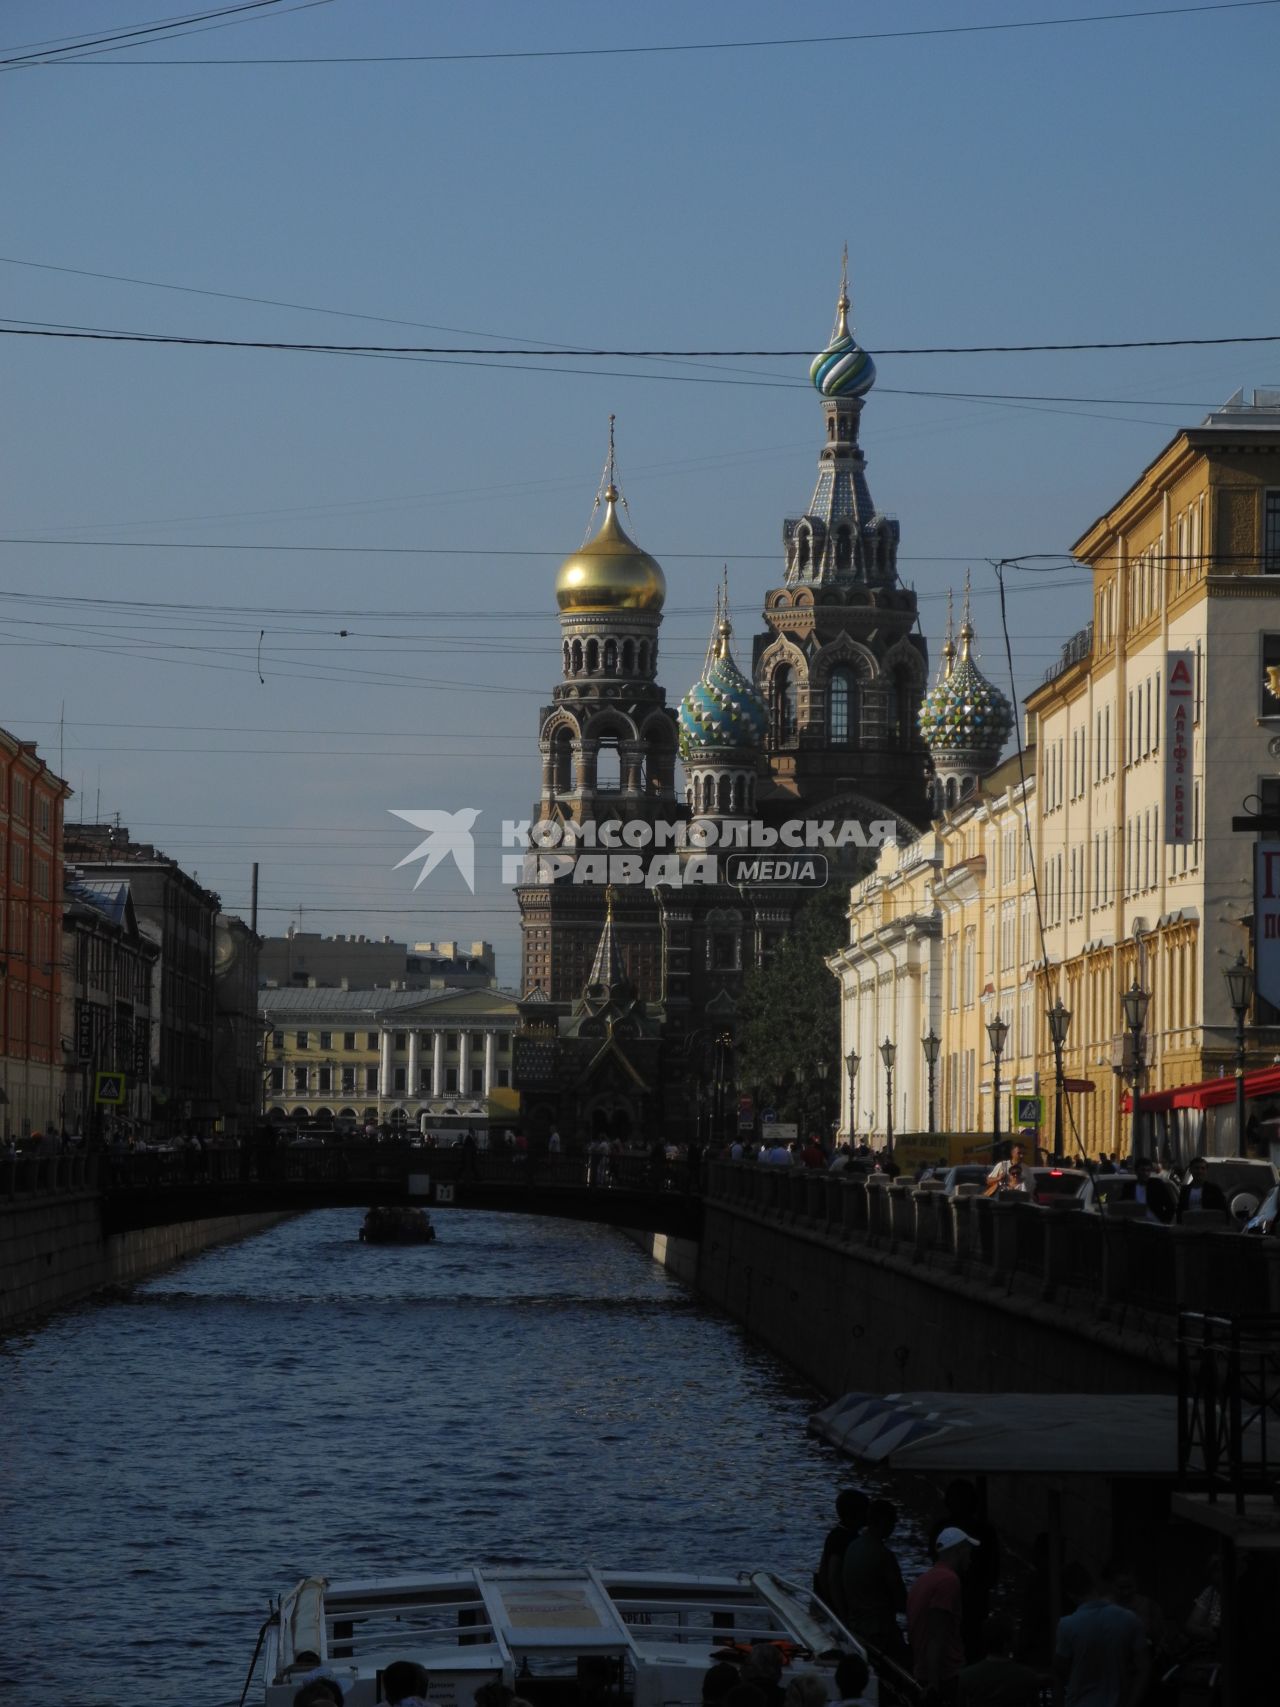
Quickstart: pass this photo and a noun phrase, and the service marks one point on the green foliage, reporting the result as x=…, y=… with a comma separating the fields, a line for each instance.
x=789, y=1012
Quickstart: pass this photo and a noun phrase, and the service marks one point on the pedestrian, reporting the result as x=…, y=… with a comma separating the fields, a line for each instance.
x=871, y=1584
x=1153, y=1193
x=1101, y=1652
x=319, y=1692
x=405, y=1684
x=935, y=1611
x=812, y=1155
x=998, y=1178
x=962, y=1509
x=852, y=1678
x=721, y=1678
x=998, y=1680
x=763, y=1672
x=1198, y=1191
x=806, y=1689
x=852, y=1506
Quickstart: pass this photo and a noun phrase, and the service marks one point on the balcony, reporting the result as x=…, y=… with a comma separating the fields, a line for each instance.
x=1076, y=650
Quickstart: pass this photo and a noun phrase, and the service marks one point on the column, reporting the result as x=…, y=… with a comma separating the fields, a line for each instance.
x=411, y=1077
x=490, y=1052
x=437, y=1063
x=464, y=1063
x=384, y=1063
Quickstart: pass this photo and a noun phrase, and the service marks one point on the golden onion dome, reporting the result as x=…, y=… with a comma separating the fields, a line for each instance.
x=611, y=572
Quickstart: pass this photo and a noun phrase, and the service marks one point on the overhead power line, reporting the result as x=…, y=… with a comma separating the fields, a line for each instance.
x=168, y=28
x=96, y=334
x=723, y=46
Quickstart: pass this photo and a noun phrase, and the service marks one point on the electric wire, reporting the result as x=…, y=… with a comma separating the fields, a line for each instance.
x=658, y=48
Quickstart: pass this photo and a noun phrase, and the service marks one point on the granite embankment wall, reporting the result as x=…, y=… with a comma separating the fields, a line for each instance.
x=851, y=1317
x=54, y=1251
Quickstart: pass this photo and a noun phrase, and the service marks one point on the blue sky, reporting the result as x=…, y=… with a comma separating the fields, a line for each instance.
x=1110, y=180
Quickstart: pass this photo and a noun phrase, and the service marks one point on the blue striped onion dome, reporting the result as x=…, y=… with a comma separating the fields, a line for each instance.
x=722, y=709
x=964, y=712
x=843, y=370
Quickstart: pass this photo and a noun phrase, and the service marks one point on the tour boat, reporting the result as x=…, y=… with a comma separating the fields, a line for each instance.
x=557, y=1637
x=397, y=1225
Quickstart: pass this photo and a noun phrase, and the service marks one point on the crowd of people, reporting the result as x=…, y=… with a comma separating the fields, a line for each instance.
x=966, y=1638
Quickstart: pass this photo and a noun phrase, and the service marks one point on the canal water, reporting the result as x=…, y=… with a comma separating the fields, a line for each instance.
x=522, y=1391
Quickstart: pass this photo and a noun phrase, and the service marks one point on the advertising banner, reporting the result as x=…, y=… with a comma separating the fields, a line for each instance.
x=1179, y=748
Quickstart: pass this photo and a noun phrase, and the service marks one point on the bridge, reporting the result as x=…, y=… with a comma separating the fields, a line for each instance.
x=161, y=1188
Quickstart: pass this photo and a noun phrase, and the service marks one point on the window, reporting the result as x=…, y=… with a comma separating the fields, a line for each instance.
x=398, y=1079
x=450, y=1080
x=1270, y=701
x=277, y=1040
x=784, y=704
x=477, y=1080
x=277, y=1079
x=840, y=707
x=326, y=1040
x=348, y=1040
x=1271, y=534
x=371, y=1080
x=324, y=1078
x=19, y=863
x=371, y=1040
x=300, y=1079
x=19, y=797
x=451, y=1042
x=302, y=1040
x=348, y=1081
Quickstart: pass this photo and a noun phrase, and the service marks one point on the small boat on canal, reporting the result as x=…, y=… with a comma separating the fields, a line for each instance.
x=557, y=1637
x=396, y=1224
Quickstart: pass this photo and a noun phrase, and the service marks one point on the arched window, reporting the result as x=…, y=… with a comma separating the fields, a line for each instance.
x=739, y=794
x=611, y=657
x=575, y=664
x=608, y=765
x=784, y=704
x=566, y=657
x=901, y=699
x=802, y=550
x=644, y=657
x=842, y=698
x=724, y=804
x=708, y=794
x=951, y=791
x=628, y=657
x=562, y=760
x=844, y=550
x=593, y=657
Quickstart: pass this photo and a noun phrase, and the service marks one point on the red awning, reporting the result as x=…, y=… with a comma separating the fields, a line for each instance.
x=1209, y=1093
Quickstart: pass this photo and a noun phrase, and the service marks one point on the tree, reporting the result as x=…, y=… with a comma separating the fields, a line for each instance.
x=789, y=1012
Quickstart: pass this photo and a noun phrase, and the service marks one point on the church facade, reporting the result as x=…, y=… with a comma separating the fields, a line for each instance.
x=825, y=728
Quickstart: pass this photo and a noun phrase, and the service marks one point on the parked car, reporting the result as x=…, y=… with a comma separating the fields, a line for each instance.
x=1243, y=1180
x=1054, y=1186
x=1103, y=1189
x=965, y=1173
x=1266, y=1222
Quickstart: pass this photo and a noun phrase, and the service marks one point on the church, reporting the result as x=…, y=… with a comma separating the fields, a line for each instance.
x=635, y=920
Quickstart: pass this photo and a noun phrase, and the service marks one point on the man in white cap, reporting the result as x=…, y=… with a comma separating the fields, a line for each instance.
x=934, y=1607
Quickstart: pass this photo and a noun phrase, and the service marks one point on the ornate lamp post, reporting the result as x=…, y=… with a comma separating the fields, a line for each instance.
x=1134, y=1002
x=888, y=1054
x=852, y=1063
x=1239, y=978
x=822, y=1068
x=1059, y=1018
x=997, y=1031
x=931, y=1043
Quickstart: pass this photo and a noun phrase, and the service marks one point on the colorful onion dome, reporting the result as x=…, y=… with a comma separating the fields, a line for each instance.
x=611, y=572
x=844, y=369
x=722, y=709
x=964, y=712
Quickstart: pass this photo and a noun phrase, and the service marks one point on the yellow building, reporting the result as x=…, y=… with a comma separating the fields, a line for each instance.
x=389, y=1056
x=1137, y=883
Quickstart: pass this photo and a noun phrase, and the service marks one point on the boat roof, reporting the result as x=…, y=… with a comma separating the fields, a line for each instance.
x=473, y=1624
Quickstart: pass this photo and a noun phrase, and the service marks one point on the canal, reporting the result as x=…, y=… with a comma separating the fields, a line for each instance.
x=524, y=1390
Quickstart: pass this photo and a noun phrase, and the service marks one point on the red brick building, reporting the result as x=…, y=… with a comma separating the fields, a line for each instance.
x=31, y=1064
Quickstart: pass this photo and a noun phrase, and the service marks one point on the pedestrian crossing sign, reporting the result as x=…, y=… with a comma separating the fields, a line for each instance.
x=108, y=1088
x=1028, y=1111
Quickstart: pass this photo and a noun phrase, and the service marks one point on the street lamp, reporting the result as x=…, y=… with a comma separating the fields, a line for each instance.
x=1059, y=1018
x=1135, y=1002
x=997, y=1031
x=931, y=1044
x=888, y=1054
x=822, y=1068
x=1239, y=978
x=852, y=1064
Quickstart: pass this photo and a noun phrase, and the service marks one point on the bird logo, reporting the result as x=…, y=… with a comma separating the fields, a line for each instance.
x=448, y=835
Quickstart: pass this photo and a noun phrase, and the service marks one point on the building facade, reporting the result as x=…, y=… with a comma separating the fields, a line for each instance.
x=237, y=1042
x=388, y=1057
x=31, y=947
x=180, y=917
x=1106, y=857
x=361, y=963
x=108, y=975
x=1139, y=884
